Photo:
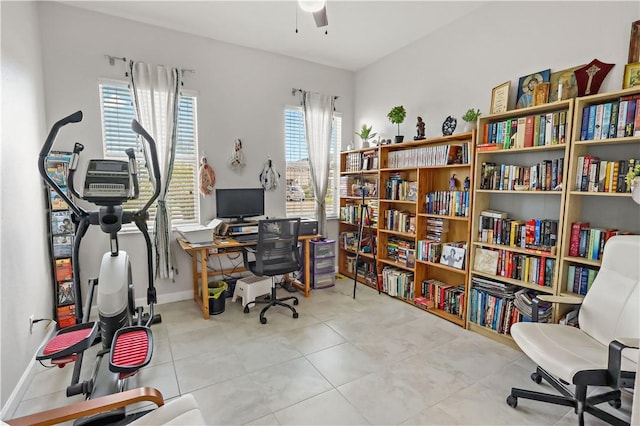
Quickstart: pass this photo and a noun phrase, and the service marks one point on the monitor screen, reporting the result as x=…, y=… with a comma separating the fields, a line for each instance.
x=239, y=203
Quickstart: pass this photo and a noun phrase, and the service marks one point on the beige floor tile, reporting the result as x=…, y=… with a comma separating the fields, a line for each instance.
x=313, y=338
x=205, y=369
x=329, y=408
x=343, y=363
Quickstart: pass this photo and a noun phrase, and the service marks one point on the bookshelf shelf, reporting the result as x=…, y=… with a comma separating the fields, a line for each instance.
x=359, y=172
x=582, y=260
x=448, y=217
x=535, y=154
x=384, y=200
x=400, y=234
x=445, y=267
x=396, y=264
x=601, y=194
x=612, y=141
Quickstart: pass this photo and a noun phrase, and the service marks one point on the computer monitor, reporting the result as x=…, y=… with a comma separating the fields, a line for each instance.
x=239, y=203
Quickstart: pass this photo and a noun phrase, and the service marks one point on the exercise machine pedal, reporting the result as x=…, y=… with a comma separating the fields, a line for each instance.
x=63, y=347
x=131, y=350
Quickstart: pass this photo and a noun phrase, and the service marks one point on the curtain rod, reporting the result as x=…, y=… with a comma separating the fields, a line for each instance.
x=294, y=91
x=112, y=62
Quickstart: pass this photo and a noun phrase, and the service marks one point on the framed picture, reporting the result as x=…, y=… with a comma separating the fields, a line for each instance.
x=527, y=84
x=634, y=43
x=631, y=75
x=541, y=94
x=453, y=256
x=500, y=98
x=57, y=170
x=562, y=84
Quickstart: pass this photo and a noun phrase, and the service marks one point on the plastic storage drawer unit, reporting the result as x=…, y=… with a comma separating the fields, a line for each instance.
x=323, y=263
x=324, y=280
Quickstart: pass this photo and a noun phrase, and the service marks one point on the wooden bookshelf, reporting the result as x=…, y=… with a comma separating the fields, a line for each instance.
x=602, y=210
x=504, y=182
x=409, y=177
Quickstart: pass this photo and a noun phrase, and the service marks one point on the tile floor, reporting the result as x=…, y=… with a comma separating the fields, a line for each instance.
x=372, y=360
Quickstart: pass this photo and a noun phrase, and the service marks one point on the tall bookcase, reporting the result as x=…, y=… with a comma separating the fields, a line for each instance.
x=358, y=178
x=424, y=208
x=61, y=239
x=521, y=165
x=598, y=201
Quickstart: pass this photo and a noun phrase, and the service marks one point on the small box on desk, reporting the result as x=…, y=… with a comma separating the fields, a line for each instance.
x=308, y=227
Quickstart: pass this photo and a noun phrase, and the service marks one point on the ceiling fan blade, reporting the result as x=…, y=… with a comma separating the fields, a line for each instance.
x=321, y=17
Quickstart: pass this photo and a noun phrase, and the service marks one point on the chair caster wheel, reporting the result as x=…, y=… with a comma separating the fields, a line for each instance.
x=536, y=378
x=263, y=320
x=512, y=401
x=295, y=315
x=616, y=403
x=295, y=301
x=246, y=310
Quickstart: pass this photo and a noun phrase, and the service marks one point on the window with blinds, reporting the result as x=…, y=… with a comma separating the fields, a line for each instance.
x=299, y=191
x=117, y=112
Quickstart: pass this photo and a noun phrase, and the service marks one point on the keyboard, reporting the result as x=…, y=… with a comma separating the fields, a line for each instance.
x=245, y=238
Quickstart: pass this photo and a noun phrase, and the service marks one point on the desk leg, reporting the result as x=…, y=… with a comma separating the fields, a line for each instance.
x=205, y=283
x=307, y=267
x=194, y=273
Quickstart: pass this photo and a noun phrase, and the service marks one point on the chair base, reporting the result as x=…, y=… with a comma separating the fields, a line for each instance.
x=578, y=400
x=273, y=301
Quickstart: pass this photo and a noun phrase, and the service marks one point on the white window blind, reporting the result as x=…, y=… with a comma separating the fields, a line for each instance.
x=117, y=112
x=298, y=174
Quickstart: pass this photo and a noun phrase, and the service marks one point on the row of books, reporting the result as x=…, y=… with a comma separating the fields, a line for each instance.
x=401, y=251
x=523, y=301
x=358, y=161
x=617, y=119
x=533, y=234
x=588, y=242
x=400, y=221
x=398, y=282
x=491, y=305
x=349, y=241
x=351, y=213
x=529, y=131
x=398, y=189
x=355, y=187
x=429, y=156
x=537, y=270
x=547, y=175
x=580, y=279
x=448, y=203
x=428, y=251
x=437, y=228
x=446, y=297
x=596, y=175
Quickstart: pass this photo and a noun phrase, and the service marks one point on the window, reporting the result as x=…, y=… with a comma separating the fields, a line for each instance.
x=117, y=112
x=299, y=191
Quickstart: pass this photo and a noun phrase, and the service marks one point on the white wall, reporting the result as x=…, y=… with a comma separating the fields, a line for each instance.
x=456, y=67
x=26, y=286
x=241, y=94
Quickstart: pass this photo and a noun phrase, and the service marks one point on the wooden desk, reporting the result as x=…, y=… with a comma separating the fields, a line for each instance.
x=201, y=279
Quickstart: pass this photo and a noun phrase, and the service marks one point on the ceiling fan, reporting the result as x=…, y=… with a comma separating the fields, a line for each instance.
x=319, y=10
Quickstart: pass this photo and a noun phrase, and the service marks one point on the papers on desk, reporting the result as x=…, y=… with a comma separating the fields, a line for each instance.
x=196, y=234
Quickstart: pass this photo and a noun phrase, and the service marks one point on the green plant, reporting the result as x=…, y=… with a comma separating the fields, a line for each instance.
x=365, y=133
x=632, y=174
x=471, y=115
x=397, y=115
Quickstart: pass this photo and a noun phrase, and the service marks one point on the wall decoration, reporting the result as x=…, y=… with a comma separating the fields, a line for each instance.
x=449, y=126
x=500, y=98
x=590, y=77
x=236, y=161
x=562, y=84
x=527, y=84
x=541, y=94
x=634, y=43
x=631, y=75
x=206, y=177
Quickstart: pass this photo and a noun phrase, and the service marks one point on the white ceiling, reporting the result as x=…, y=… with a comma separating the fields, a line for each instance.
x=359, y=32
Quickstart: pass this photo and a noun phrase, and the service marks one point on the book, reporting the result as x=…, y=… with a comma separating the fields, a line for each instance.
x=66, y=295
x=591, y=126
x=61, y=222
x=606, y=120
x=574, y=239
x=585, y=123
x=528, y=131
x=597, y=132
x=631, y=118
x=622, y=118
x=57, y=170
x=62, y=245
x=57, y=203
x=63, y=271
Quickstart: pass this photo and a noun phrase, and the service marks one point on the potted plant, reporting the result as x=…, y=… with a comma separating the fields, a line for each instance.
x=365, y=134
x=471, y=118
x=397, y=116
x=632, y=178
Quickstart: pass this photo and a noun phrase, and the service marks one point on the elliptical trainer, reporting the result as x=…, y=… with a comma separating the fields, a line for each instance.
x=122, y=328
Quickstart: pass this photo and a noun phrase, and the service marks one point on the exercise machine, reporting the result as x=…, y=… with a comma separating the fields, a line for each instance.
x=122, y=328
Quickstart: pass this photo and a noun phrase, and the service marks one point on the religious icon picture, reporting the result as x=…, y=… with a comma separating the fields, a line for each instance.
x=526, y=87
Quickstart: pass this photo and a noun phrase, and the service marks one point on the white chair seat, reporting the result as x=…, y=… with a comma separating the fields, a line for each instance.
x=563, y=350
x=180, y=411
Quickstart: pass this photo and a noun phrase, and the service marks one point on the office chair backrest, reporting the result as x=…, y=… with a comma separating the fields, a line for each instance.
x=277, y=248
x=610, y=309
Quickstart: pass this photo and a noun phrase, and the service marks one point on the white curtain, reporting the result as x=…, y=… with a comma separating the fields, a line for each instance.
x=318, y=120
x=155, y=91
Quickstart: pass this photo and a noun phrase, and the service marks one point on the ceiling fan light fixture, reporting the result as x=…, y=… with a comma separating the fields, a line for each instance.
x=311, y=6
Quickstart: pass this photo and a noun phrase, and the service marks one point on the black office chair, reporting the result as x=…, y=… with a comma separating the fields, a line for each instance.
x=277, y=253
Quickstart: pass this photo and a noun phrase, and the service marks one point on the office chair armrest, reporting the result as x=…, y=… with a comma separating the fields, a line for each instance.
x=535, y=302
x=616, y=376
x=90, y=407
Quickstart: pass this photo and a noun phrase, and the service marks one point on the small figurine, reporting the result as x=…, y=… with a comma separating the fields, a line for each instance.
x=453, y=183
x=420, y=128
x=467, y=183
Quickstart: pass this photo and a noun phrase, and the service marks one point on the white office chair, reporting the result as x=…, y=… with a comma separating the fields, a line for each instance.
x=603, y=351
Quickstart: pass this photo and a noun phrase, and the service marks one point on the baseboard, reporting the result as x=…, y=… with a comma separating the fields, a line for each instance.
x=9, y=409
x=167, y=298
